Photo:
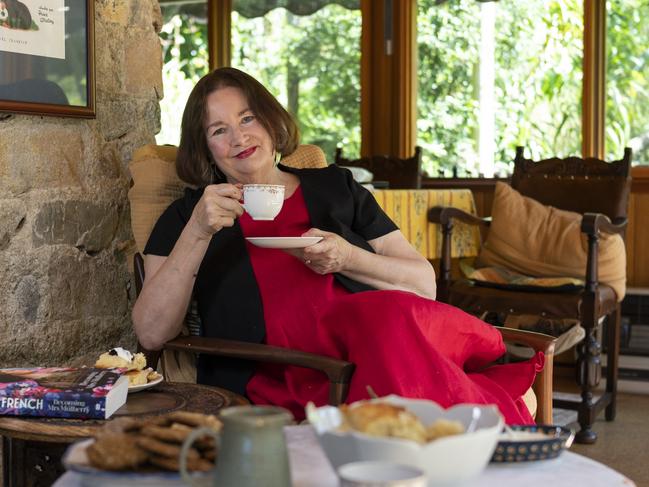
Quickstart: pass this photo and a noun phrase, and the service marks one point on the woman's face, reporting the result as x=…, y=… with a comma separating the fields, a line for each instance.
x=240, y=145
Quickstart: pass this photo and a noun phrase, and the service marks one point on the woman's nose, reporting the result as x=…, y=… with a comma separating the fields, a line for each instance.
x=239, y=136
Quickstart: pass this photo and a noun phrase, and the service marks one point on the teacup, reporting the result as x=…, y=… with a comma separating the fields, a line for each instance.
x=263, y=201
x=380, y=474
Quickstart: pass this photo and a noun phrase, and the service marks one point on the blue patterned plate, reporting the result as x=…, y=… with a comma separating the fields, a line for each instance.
x=530, y=443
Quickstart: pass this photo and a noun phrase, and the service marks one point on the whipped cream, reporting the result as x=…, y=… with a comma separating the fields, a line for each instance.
x=122, y=353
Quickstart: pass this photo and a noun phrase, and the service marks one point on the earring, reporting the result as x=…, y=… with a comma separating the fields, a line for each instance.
x=278, y=157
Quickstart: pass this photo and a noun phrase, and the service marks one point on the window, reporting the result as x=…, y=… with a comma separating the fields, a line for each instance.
x=496, y=75
x=185, y=61
x=627, y=79
x=310, y=62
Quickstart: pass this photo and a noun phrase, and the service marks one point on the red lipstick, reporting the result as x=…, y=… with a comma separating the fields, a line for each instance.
x=246, y=153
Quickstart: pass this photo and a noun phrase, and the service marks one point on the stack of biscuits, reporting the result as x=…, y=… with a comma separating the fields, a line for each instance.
x=153, y=444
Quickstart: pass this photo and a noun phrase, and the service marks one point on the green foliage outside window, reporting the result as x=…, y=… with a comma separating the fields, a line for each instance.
x=627, y=79
x=185, y=60
x=312, y=64
x=538, y=56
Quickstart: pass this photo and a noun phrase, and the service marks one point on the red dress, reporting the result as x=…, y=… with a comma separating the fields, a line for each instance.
x=401, y=343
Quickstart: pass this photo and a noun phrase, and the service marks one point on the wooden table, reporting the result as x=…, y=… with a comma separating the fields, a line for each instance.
x=32, y=447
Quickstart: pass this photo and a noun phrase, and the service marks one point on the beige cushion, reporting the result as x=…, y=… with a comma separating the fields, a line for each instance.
x=543, y=241
x=156, y=184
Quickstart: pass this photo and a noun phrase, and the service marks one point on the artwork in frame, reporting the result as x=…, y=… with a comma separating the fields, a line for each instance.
x=47, y=57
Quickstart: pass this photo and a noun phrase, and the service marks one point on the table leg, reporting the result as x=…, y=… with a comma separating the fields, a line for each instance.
x=31, y=463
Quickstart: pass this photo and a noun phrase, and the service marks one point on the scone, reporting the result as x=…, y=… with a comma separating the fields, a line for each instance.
x=120, y=358
x=144, y=376
x=382, y=419
x=444, y=427
x=138, y=377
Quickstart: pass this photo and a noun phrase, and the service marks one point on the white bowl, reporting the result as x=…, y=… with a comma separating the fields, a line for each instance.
x=446, y=461
x=380, y=474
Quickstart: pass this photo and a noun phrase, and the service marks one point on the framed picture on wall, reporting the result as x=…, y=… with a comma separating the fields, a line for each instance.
x=47, y=57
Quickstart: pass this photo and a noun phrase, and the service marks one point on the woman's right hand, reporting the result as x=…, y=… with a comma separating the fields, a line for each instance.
x=218, y=207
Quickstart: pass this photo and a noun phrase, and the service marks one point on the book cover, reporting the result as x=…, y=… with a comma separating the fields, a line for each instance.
x=86, y=393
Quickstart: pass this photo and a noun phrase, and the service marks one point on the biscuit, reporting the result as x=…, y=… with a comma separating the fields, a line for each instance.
x=174, y=435
x=136, y=444
x=196, y=419
x=173, y=464
x=115, y=451
x=209, y=455
x=158, y=447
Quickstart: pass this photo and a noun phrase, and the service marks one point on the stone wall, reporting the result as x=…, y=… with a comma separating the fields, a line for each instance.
x=65, y=238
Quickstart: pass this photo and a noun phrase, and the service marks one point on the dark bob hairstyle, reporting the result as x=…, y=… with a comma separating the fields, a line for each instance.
x=194, y=163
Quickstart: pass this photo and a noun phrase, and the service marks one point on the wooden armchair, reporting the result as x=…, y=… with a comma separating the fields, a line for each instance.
x=598, y=191
x=154, y=179
x=155, y=186
x=400, y=173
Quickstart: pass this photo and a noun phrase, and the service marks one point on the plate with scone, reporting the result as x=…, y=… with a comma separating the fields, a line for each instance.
x=140, y=377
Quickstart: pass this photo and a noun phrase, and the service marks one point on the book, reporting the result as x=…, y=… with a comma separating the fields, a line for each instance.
x=86, y=393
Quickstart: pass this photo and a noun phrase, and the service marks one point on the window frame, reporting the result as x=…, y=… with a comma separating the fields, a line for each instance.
x=388, y=106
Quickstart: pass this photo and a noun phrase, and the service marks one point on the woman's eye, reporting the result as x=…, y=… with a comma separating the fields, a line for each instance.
x=248, y=118
x=218, y=131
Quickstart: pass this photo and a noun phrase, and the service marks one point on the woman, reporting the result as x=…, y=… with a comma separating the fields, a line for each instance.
x=362, y=293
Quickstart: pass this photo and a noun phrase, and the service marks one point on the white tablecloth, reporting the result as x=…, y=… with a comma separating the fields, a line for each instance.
x=310, y=468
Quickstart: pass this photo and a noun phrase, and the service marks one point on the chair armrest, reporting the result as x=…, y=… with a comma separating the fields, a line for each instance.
x=593, y=223
x=543, y=383
x=444, y=214
x=539, y=342
x=338, y=371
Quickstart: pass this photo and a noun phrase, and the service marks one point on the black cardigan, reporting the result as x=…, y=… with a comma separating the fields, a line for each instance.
x=228, y=297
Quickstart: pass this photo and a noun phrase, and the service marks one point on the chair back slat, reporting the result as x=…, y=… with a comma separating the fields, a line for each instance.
x=575, y=184
x=400, y=173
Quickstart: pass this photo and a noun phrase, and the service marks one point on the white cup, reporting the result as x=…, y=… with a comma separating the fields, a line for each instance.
x=263, y=201
x=380, y=474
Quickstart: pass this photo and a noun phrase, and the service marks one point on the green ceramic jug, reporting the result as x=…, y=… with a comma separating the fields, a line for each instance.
x=252, y=448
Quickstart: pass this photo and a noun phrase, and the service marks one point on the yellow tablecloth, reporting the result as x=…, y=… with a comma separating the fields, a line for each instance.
x=408, y=208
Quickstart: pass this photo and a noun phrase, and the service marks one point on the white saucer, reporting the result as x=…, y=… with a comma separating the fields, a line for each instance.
x=283, y=242
x=141, y=387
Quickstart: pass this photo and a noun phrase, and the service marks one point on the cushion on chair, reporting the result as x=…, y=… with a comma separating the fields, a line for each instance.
x=156, y=184
x=543, y=241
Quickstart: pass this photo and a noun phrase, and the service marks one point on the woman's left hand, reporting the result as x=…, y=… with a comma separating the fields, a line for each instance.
x=331, y=254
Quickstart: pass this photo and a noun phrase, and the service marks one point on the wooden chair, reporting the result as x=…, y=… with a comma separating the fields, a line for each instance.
x=155, y=186
x=599, y=191
x=400, y=173
x=339, y=372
